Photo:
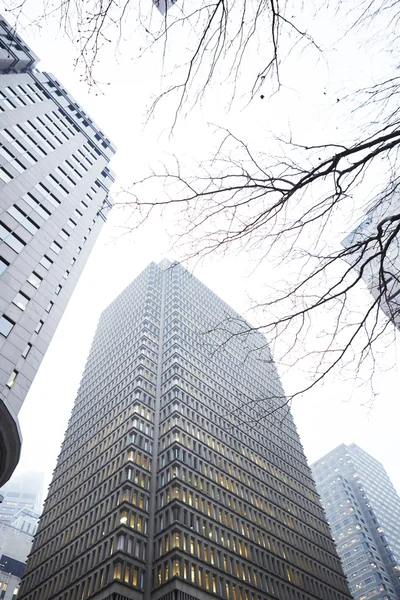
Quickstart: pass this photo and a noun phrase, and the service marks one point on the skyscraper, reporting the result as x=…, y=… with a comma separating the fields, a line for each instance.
x=22, y=491
x=176, y=479
x=15, y=545
x=54, y=183
x=376, y=254
x=363, y=510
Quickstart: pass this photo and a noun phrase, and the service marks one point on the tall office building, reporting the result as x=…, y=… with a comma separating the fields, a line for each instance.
x=54, y=183
x=23, y=491
x=380, y=269
x=175, y=479
x=15, y=546
x=363, y=510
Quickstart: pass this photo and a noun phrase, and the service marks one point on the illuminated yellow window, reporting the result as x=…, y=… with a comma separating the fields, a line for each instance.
x=135, y=576
x=127, y=577
x=166, y=566
x=208, y=586
x=176, y=568
x=177, y=540
x=214, y=584
x=139, y=525
x=193, y=574
x=124, y=517
x=159, y=576
x=117, y=571
x=12, y=379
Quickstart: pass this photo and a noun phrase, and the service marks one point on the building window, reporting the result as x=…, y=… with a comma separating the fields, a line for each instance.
x=46, y=262
x=56, y=247
x=127, y=577
x=117, y=571
x=3, y=265
x=12, y=379
x=49, y=306
x=120, y=542
x=26, y=351
x=11, y=239
x=38, y=326
x=5, y=175
x=21, y=300
x=176, y=568
x=35, y=279
x=5, y=325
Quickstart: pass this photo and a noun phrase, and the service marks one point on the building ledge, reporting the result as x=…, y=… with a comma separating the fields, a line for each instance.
x=10, y=442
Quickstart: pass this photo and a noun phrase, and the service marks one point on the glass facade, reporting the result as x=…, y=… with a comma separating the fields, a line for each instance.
x=363, y=510
x=180, y=476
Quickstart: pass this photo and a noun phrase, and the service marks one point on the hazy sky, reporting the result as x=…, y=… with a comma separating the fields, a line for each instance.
x=325, y=418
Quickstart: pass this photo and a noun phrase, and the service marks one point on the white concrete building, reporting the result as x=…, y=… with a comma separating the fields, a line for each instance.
x=54, y=184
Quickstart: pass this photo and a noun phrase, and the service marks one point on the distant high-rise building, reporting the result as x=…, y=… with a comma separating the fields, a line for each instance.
x=54, y=183
x=164, y=5
x=26, y=520
x=363, y=510
x=15, y=545
x=379, y=258
x=23, y=491
x=181, y=476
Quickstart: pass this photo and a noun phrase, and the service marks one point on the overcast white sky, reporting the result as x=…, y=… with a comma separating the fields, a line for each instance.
x=325, y=418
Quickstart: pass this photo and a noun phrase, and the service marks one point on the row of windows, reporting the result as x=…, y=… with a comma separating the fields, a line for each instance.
x=85, y=522
x=224, y=587
x=98, y=579
x=269, y=547
x=257, y=466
